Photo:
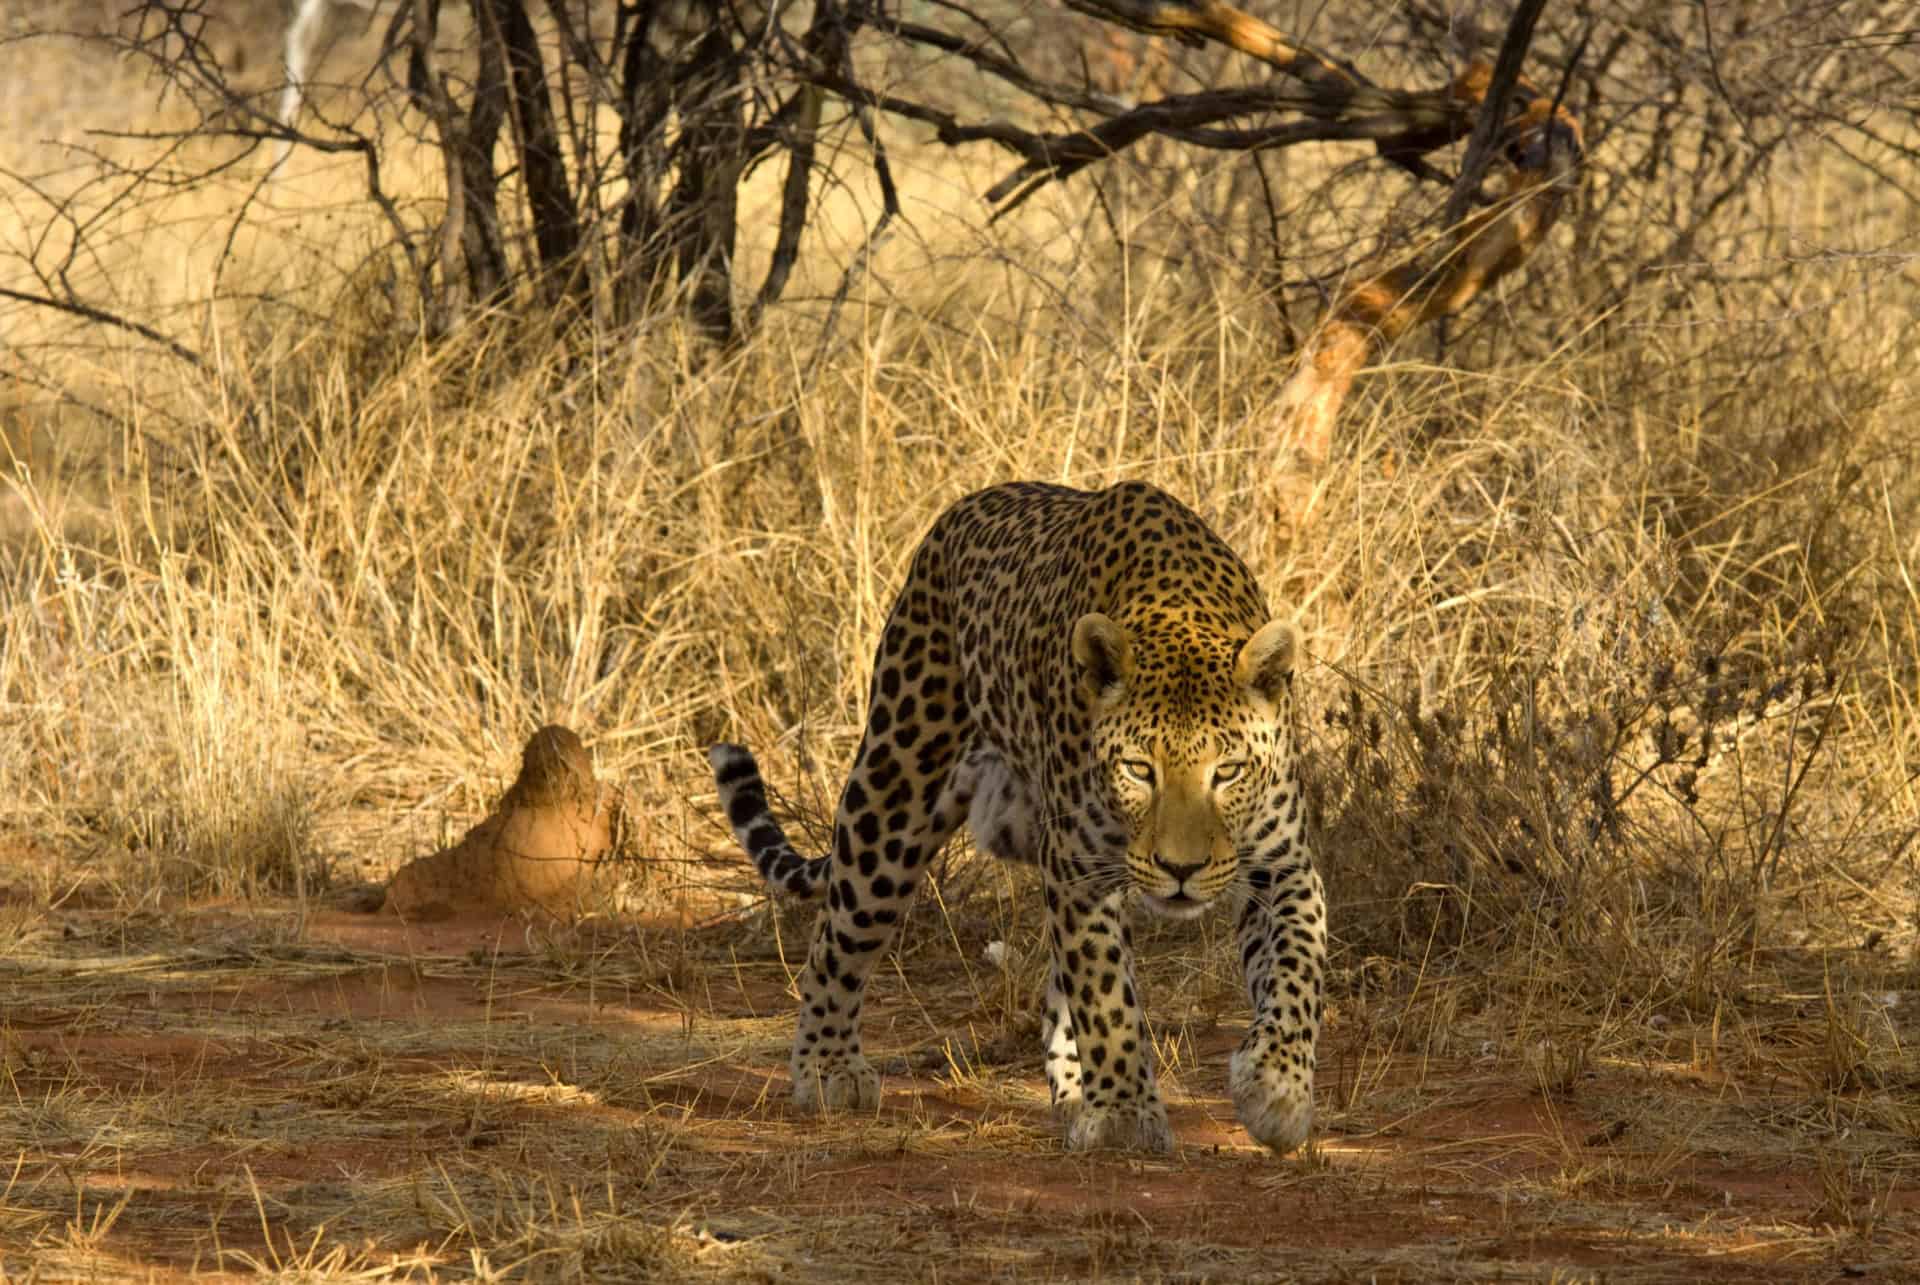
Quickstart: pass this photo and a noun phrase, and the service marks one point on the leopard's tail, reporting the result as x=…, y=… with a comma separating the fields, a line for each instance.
x=743, y=796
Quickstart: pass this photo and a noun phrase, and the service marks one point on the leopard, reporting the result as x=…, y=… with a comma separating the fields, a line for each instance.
x=1091, y=681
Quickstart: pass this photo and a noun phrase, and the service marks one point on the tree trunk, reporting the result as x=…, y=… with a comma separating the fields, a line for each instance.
x=643, y=155
x=472, y=149
x=702, y=210
x=556, y=220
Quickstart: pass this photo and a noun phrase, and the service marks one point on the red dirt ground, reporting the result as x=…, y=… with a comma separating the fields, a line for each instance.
x=228, y=1103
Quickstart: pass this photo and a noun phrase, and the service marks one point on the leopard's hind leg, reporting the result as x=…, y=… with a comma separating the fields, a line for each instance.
x=900, y=806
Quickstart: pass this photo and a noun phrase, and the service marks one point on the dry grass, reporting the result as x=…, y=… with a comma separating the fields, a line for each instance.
x=1614, y=710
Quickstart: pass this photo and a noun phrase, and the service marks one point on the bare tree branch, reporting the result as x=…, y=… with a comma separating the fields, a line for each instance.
x=88, y=312
x=1196, y=20
x=999, y=67
x=1495, y=108
x=1545, y=149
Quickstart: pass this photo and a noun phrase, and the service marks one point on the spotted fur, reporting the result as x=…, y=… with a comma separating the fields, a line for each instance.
x=1091, y=681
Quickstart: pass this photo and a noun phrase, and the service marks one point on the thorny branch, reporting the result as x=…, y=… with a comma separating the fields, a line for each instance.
x=698, y=105
x=707, y=90
x=100, y=316
x=1333, y=101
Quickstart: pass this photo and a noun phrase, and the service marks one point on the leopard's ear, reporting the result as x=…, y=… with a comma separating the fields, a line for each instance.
x=1103, y=656
x=1265, y=667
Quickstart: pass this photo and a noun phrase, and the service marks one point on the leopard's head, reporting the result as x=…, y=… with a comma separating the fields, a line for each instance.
x=1192, y=746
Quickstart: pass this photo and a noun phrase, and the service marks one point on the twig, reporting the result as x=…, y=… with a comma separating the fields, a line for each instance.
x=1193, y=21
x=1495, y=108
x=1402, y=124
x=1003, y=69
x=889, y=207
x=90, y=313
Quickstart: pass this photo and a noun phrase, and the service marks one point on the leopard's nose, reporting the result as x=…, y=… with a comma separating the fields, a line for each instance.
x=1180, y=873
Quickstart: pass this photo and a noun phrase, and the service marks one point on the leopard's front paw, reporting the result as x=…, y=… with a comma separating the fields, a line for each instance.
x=1272, y=1095
x=1063, y=1087
x=848, y=1083
x=1127, y=1126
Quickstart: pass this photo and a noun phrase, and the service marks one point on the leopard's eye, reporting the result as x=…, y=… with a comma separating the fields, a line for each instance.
x=1227, y=773
x=1139, y=769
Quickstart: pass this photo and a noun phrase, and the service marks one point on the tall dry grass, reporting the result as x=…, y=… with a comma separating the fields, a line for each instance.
x=1613, y=621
